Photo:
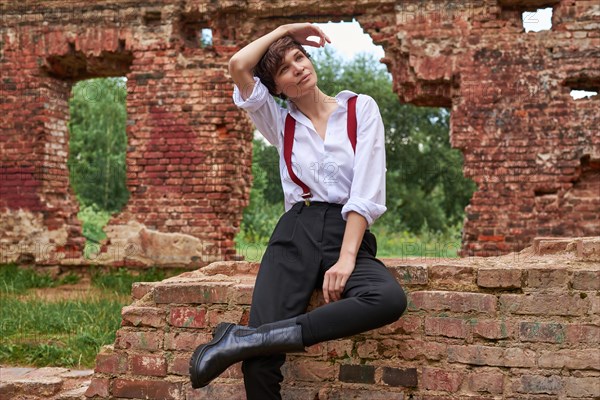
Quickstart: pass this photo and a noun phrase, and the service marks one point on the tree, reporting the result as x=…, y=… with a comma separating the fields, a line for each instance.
x=98, y=142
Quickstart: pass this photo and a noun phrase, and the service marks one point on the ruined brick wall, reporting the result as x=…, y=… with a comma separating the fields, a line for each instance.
x=188, y=154
x=523, y=326
x=533, y=151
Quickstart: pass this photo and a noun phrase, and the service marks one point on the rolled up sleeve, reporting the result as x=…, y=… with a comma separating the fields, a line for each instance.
x=367, y=192
x=263, y=110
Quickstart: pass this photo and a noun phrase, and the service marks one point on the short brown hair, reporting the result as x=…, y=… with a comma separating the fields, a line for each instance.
x=271, y=61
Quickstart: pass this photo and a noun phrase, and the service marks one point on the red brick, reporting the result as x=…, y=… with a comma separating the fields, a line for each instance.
x=147, y=389
x=490, y=382
x=587, y=387
x=435, y=397
x=452, y=301
x=187, y=317
x=98, y=387
x=595, y=304
x=449, y=327
x=406, y=325
x=148, y=364
x=571, y=359
x=586, y=280
x=550, y=245
x=233, y=372
x=493, y=329
x=191, y=293
x=451, y=277
x=142, y=340
x=400, y=377
x=143, y=316
x=111, y=363
x=547, y=277
x=241, y=294
x=588, y=249
x=439, y=379
x=337, y=348
x=544, y=304
x=293, y=392
x=491, y=356
x=411, y=349
x=497, y=238
x=541, y=332
x=179, y=365
x=538, y=384
x=186, y=340
x=216, y=390
x=367, y=349
x=357, y=373
x=215, y=316
x=408, y=274
x=499, y=278
x=347, y=393
x=317, y=350
x=309, y=370
x=140, y=289
x=579, y=333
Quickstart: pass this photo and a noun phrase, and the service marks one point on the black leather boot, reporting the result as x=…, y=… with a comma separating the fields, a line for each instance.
x=232, y=343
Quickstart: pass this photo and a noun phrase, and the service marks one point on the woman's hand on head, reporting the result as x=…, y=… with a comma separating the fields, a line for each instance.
x=301, y=31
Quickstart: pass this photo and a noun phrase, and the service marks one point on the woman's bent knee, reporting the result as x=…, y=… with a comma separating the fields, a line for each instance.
x=394, y=300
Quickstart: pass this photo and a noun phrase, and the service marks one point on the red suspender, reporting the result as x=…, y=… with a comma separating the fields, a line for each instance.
x=288, y=143
x=352, y=121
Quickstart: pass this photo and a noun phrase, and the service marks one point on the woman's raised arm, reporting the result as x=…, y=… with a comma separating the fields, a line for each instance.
x=243, y=62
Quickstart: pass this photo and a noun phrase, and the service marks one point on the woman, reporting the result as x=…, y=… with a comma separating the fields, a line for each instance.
x=334, y=190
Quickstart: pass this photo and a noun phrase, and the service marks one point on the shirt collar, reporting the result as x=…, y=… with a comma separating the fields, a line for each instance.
x=341, y=98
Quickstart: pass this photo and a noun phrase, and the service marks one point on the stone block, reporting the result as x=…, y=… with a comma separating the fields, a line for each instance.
x=357, y=373
x=500, y=278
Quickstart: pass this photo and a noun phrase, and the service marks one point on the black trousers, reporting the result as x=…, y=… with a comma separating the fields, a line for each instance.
x=305, y=243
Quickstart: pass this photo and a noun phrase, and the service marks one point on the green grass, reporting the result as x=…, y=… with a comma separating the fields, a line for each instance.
x=39, y=332
x=389, y=244
x=65, y=333
x=15, y=280
x=424, y=244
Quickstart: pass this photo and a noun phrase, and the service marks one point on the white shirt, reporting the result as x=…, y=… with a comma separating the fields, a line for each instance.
x=328, y=167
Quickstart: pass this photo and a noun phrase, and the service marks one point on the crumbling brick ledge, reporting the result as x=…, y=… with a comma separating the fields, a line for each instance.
x=520, y=326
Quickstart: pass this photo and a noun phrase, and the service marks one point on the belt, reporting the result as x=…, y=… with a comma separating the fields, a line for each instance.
x=301, y=204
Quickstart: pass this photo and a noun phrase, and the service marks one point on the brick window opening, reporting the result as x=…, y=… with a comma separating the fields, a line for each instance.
x=206, y=37
x=96, y=159
x=195, y=30
x=152, y=17
x=584, y=86
x=581, y=202
x=538, y=20
x=582, y=94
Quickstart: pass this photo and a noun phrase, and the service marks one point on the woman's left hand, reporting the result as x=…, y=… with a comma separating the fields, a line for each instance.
x=336, y=278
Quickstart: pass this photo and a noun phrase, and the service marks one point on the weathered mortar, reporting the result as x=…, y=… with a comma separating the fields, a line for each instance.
x=533, y=151
x=512, y=327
